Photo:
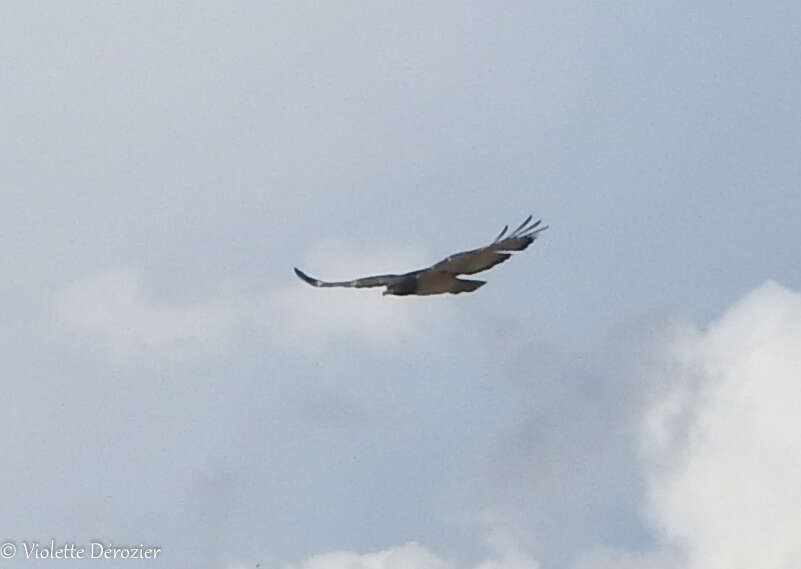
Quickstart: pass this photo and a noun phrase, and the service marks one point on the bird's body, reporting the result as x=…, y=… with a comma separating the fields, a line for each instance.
x=442, y=277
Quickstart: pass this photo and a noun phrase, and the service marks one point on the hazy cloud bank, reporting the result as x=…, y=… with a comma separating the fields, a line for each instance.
x=115, y=308
x=720, y=448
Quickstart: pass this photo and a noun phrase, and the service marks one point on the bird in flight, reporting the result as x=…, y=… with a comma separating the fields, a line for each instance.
x=442, y=277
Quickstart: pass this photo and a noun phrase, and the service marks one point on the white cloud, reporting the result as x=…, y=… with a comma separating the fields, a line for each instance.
x=607, y=558
x=114, y=308
x=409, y=556
x=305, y=319
x=723, y=446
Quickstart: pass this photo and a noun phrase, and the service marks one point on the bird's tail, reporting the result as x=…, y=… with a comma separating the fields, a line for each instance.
x=464, y=285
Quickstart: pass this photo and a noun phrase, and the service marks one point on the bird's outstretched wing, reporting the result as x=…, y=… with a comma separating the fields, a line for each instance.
x=483, y=258
x=378, y=280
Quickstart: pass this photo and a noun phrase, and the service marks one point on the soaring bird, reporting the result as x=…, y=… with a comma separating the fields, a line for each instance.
x=442, y=277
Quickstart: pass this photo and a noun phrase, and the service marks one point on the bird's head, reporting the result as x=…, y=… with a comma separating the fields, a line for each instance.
x=401, y=288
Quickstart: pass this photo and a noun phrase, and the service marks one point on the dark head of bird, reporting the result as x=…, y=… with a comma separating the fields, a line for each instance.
x=402, y=288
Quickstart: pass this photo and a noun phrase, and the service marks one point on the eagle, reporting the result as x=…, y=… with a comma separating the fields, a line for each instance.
x=442, y=277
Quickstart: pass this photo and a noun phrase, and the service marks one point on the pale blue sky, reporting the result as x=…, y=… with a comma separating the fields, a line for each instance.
x=165, y=166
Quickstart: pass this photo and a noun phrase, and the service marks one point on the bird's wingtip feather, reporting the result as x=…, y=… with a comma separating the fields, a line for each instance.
x=304, y=277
